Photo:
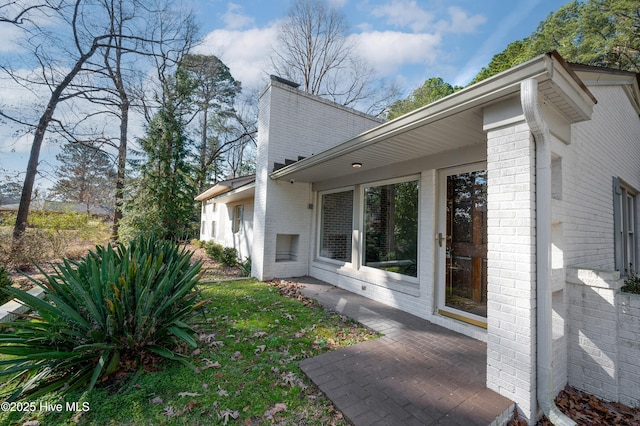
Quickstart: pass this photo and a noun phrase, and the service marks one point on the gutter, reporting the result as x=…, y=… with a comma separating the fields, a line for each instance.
x=544, y=336
x=484, y=92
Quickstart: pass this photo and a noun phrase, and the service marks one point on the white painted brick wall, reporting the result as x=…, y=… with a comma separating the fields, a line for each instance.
x=511, y=266
x=292, y=124
x=605, y=146
x=629, y=349
x=223, y=217
x=601, y=148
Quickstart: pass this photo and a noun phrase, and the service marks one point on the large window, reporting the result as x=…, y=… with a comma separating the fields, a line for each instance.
x=625, y=228
x=336, y=225
x=391, y=227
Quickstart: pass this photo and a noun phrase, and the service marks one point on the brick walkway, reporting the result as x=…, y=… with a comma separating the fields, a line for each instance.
x=417, y=374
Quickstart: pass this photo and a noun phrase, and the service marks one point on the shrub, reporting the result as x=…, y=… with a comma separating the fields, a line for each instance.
x=229, y=256
x=245, y=267
x=115, y=307
x=196, y=242
x=5, y=281
x=214, y=250
x=632, y=284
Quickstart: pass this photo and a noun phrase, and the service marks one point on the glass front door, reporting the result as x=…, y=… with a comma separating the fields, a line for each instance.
x=463, y=245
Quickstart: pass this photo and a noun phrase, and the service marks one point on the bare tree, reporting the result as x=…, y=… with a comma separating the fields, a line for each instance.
x=91, y=28
x=16, y=12
x=58, y=87
x=165, y=28
x=313, y=49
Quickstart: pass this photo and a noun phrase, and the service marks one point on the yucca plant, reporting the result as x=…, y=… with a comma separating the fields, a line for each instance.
x=109, y=309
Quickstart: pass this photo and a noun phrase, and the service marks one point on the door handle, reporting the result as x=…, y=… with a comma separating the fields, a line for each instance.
x=441, y=238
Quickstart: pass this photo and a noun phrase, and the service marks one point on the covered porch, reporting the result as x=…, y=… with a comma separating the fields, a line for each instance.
x=418, y=373
x=495, y=139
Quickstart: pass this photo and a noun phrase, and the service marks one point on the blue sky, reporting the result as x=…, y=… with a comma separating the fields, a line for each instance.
x=405, y=41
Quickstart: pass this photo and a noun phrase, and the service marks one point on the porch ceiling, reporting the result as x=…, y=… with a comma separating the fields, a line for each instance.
x=446, y=134
x=445, y=125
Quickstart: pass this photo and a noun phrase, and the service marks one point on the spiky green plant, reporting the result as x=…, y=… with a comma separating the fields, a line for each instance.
x=109, y=309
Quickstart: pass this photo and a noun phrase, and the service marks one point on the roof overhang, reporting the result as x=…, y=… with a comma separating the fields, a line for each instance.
x=448, y=124
x=225, y=186
x=241, y=193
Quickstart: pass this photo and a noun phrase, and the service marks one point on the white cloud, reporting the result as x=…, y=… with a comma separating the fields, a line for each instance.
x=461, y=22
x=387, y=51
x=404, y=13
x=246, y=53
x=234, y=19
x=409, y=14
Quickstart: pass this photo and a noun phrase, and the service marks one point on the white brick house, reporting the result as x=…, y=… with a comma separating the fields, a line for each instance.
x=227, y=214
x=506, y=211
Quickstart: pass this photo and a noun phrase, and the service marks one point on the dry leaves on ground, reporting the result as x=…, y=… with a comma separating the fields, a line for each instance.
x=586, y=409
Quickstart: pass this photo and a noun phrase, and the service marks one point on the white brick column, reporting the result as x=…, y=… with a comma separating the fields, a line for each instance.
x=511, y=351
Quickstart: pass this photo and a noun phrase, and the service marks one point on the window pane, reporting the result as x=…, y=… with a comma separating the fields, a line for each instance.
x=336, y=226
x=391, y=227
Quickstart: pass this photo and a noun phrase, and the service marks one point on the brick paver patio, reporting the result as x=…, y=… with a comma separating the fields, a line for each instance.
x=417, y=374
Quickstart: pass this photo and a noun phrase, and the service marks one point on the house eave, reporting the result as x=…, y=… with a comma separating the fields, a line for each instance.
x=224, y=187
x=240, y=193
x=561, y=86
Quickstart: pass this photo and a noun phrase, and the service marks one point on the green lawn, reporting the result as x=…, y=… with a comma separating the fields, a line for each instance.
x=245, y=370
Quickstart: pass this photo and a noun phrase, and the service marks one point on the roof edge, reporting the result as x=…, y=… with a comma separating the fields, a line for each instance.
x=500, y=85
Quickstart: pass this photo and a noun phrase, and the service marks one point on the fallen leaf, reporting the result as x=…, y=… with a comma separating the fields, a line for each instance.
x=227, y=414
x=168, y=411
x=209, y=364
x=279, y=407
x=236, y=355
x=188, y=394
x=156, y=400
x=222, y=392
x=260, y=349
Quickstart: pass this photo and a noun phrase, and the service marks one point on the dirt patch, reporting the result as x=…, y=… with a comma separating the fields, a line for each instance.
x=212, y=269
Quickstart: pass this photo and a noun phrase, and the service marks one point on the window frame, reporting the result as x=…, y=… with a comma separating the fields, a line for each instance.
x=362, y=228
x=625, y=210
x=354, y=210
x=238, y=219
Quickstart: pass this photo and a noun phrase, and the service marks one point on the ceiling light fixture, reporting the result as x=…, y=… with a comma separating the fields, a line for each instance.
x=356, y=165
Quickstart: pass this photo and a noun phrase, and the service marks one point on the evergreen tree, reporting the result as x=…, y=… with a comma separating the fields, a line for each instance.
x=598, y=32
x=85, y=175
x=214, y=93
x=432, y=90
x=162, y=195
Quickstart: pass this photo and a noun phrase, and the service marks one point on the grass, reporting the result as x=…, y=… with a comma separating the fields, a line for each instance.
x=245, y=370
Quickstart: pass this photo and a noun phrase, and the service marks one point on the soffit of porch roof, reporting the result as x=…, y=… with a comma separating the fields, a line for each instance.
x=447, y=125
x=446, y=134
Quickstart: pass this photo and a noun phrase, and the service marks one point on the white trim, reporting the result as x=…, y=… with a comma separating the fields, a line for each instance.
x=318, y=232
x=361, y=241
x=440, y=251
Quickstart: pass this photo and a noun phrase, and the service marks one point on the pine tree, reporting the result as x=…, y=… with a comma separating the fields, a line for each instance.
x=161, y=197
x=86, y=175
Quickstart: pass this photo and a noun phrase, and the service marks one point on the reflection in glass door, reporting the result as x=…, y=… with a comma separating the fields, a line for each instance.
x=465, y=251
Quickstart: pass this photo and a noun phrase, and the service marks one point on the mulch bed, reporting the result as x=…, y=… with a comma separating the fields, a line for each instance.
x=586, y=409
